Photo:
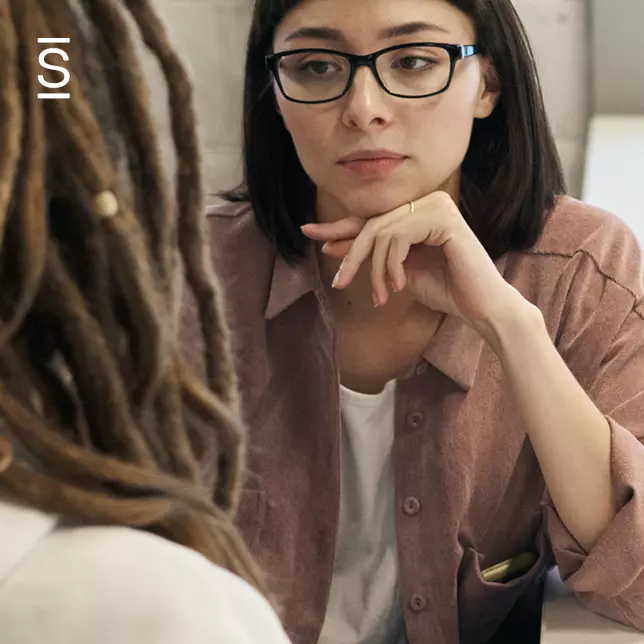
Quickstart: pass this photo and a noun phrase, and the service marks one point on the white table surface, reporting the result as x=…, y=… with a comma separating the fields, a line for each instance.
x=567, y=621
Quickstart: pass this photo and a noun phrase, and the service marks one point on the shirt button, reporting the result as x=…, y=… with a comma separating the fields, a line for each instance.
x=417, y=603
x=415, y=419
x=422, y=368
x=411, y=506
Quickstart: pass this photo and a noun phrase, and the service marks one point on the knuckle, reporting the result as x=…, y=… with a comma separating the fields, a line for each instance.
x=371, y=225
x=443, y=200
x=383, y=235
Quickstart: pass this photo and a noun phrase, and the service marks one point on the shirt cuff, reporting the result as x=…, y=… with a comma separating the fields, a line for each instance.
x=615, y=565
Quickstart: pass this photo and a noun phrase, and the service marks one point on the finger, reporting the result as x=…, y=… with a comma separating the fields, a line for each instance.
x=358, y=253
x=398, y=253
x=379, y=267
x=363, y=246
x=347, y=228
x=350, y=227
x=338, y=249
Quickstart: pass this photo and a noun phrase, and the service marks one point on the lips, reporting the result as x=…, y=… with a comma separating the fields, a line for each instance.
x=372, y=164
x=371, y=155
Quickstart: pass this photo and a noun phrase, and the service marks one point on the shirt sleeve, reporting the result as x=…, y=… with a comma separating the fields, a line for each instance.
x=609, y=330
x=121, y=586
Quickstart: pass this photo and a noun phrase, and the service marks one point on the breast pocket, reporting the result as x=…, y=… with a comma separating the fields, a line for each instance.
x=250, y=515
x=483, y=605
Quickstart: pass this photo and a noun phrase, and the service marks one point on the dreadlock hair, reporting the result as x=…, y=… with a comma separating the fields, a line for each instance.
x=95, y=244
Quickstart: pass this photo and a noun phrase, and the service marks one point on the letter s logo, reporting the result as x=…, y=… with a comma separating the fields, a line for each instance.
x=46, y=65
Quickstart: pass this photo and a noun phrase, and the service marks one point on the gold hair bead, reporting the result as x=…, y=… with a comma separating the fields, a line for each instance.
x=106, y=204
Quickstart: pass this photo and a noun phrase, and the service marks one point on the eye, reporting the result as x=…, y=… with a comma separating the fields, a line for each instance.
x=415, y=63
x=318, y=67
x=312, y=66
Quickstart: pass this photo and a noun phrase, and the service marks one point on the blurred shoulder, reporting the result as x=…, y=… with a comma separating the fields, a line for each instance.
x=238, y=246
x=112, y=585
x=232, y=219
x=229, y=209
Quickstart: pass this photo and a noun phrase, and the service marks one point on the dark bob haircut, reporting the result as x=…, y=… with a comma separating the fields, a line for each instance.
x=512, y=171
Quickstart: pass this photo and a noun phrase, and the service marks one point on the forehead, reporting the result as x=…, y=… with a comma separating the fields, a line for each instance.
x=363, y=24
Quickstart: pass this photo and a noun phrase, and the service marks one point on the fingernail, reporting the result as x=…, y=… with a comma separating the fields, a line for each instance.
x=336, y=279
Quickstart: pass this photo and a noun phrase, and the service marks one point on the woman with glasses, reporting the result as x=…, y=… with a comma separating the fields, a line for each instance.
x=441, y=356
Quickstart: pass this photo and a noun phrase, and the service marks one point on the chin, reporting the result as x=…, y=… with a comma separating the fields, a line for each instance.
x=375, y=200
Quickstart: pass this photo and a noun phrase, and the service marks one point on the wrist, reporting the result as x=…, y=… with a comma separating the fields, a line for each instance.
x=512, y=319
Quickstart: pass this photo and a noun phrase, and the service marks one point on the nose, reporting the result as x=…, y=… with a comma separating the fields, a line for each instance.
x=366, y=105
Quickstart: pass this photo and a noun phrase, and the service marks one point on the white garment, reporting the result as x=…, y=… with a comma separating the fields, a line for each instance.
x=364, y=605
x=111, y=585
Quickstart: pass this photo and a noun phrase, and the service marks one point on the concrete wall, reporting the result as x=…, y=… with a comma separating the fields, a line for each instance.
x=211, y=34
x=618, y=56
x=559, y=33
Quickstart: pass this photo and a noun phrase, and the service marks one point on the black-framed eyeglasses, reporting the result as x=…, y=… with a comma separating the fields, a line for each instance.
x=412, y=70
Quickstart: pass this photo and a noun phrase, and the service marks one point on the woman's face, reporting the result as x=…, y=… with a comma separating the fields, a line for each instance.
x=418, y=144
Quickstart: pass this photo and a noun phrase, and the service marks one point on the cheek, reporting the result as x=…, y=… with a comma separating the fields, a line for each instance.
x=311, y=130
x=443, y=129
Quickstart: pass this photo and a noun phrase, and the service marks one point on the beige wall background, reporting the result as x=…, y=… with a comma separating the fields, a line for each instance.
x=211, y=35
x=618, y=56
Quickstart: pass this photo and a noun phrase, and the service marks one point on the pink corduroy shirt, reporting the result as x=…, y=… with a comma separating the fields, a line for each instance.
x=469, y=490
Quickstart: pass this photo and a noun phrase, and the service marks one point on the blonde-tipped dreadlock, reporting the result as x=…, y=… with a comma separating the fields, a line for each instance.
x=92, y=247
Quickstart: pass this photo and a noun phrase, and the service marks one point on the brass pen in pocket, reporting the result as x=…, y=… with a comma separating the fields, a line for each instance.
x=510, y=568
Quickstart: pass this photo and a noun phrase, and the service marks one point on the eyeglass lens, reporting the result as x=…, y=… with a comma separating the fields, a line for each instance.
x=318, y=76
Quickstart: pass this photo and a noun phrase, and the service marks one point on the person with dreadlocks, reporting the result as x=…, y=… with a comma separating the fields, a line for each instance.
x=111, y=451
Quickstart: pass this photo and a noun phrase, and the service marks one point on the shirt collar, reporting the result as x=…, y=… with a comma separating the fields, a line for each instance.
x=455, y=349
x=291, y=282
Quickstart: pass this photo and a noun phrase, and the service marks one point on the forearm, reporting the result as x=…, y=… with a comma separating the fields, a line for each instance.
x=570, y=436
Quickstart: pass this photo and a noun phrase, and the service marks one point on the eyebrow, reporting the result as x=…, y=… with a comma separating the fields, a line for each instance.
x=335, y=35
x=410, y=29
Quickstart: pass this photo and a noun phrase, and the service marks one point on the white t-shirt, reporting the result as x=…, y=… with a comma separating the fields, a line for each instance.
x=111, y=585
x=364, y=604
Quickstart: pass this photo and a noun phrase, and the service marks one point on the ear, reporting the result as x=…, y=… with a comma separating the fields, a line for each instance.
x=489, y=91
